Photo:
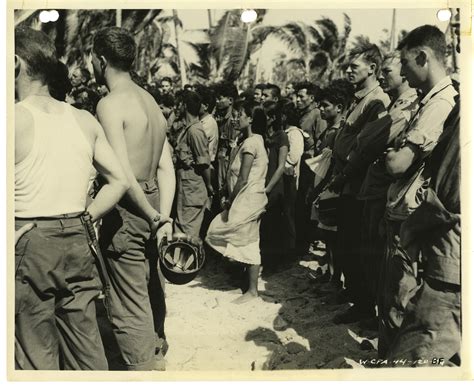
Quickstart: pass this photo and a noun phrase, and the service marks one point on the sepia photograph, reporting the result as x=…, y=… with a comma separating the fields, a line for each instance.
x=236, y=190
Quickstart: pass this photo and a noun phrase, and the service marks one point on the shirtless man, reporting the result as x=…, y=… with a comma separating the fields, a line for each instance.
x=136, y=130
x=56, y=281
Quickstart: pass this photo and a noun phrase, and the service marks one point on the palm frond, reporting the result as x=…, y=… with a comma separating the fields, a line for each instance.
x=25, y=16
x=294, y=34
x=142, y=19
x=360, y=41
x=296, y=61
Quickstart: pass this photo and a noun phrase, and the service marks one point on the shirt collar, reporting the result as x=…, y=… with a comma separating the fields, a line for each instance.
x=360, y=94
x=408, y=95
x=228, y=115
x=310, y=107
x=440, y=85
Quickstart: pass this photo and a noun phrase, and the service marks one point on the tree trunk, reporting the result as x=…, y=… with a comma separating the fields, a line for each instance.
x=182, y=69
x=306, y=63
x=209, y=18
x=118, y=17
x=221, y=52
x=393, y=34
x=246, y=46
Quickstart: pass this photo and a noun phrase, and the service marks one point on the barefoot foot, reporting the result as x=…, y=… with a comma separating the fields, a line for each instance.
x=247, y=297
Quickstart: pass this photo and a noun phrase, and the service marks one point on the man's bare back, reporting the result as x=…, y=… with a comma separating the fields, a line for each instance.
x=144, y=127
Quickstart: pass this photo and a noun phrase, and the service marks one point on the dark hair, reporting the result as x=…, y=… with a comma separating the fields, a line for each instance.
x=255, y=111
x=37, y=50
x=429, y=36
x=247, y=94
x=339, y=91
x=60, y=86
x=276, y=92
x=207, y=96
x=166, y=100
x=370, y=53
x=259, y=121
x=192, y=102
x=117, y=46
x=272, y=109
x=288, y=110
x=86, y=74
x=167, y=79
x=260, y=86
x=227, y=89
x=246, y=105
x=309, y=86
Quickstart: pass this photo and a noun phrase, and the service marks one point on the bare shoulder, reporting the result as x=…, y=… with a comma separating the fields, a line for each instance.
x=155, y=108
x=112, y=101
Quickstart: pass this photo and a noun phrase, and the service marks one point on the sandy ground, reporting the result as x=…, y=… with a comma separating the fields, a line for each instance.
x=288, y=327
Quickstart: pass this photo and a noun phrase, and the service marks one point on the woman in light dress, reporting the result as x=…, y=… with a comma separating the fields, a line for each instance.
x=235, y=233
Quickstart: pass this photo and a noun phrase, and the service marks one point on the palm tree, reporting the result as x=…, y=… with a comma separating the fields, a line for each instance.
x=191, y=45
x=231, y=43
x=73, y=34
x=74, y=30
x=319, y=47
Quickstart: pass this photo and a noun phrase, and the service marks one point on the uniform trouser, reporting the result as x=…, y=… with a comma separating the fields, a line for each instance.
x=191, y=204
x=222, y=167
x=304, y=235
x=289, y=211
x=397, y=286
x=56, y=284
x=137, y=300
x=349, y=221
x=372, y=247
x=431, y=329
x=214, y=208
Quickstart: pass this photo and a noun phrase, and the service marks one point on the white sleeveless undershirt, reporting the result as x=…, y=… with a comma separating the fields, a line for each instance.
x=53, y=178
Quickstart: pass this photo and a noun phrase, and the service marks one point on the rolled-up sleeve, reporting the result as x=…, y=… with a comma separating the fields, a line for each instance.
x=428, y=127
x=296, y=147
x=199, y=146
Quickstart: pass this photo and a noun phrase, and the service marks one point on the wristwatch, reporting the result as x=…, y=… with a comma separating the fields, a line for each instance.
x=159, y=217
x=156, y=219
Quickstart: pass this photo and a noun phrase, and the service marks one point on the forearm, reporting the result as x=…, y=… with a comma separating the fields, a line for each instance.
x=106, y=198
x=238, y=186
x=206, y=175
x=399, y=161
x=275, y=178
x=167, y=188
x=136, y=195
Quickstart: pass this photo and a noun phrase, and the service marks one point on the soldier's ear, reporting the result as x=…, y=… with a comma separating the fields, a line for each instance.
x=103, y=62
x=373, y=68
x=421, y=57
x=17, y=66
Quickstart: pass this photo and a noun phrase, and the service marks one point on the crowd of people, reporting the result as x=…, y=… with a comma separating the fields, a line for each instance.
x=368, y=165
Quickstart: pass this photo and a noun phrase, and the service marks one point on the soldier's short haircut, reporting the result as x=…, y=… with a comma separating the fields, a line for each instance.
x=428, y=36
x=117, y=46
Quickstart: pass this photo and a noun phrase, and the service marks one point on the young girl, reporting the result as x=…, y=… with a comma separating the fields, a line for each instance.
x=235, y=232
